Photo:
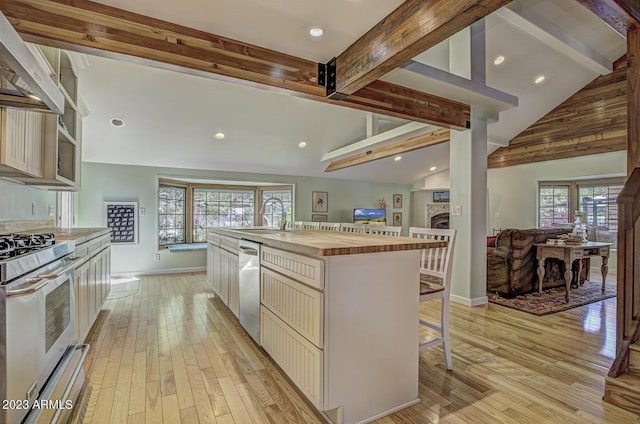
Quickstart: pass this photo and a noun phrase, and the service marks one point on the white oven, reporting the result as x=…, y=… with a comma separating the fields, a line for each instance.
x=39, y=327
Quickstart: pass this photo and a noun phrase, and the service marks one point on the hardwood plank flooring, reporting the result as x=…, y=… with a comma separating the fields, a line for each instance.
x=173, y=353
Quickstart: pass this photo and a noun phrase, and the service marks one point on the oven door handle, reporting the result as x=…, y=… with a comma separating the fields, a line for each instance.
x=63, y=271
x=39, y=283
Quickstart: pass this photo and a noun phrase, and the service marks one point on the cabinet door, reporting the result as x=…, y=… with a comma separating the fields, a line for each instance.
x=210, y=264
x=234, y=294
x=106, y=282
x=35, y=143
x=23, y=141
x=80, y=282
x=224, y=276
x=91, y=289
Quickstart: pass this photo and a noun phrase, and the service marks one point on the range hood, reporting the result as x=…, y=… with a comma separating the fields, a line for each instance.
x=25, y=81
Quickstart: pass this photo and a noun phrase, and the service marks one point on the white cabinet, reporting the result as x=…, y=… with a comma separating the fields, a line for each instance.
x=61, y=134
x=92, y=282
x=222, y=270
x=22, y=136
x=292, y=317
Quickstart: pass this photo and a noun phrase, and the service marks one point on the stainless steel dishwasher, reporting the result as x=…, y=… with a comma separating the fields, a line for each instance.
x=249, y=264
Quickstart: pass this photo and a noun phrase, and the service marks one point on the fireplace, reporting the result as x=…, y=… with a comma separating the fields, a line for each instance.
x=440, y=220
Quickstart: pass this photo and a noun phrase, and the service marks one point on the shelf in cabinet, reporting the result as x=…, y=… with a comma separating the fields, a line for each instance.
x=68, y=97
x=65, y=134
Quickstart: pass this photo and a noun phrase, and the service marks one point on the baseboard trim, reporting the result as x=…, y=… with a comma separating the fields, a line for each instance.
x=478, y=301
x=160, y=271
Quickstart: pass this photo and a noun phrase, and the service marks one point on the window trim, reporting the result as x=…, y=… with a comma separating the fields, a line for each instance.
x=574, y=194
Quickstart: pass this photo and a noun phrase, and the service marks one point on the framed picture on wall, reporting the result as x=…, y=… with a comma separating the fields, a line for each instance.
x=122, y=218
x=397, y=201
x=318, y=218
x=397, y=219
x=319, y=201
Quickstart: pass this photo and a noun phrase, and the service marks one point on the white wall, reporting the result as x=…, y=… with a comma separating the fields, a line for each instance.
x=513, y=191
x=16, y=202
x=105, y=182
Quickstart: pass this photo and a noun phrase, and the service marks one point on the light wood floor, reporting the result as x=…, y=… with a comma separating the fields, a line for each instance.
x=173, y=354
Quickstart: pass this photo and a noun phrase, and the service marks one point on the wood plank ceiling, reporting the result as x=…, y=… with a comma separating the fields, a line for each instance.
x=594, y=120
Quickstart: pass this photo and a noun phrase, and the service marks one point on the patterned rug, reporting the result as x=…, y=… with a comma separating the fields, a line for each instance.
x=552, y=300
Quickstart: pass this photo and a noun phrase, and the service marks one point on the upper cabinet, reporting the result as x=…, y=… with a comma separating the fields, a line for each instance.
x=52, y=141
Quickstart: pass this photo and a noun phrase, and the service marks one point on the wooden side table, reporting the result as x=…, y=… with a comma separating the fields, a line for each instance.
x=569, y=253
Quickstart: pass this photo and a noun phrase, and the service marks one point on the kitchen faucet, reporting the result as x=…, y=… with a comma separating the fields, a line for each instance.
x=283, y=221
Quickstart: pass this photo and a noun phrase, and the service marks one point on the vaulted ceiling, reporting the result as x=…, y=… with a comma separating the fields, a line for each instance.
x=171, y=117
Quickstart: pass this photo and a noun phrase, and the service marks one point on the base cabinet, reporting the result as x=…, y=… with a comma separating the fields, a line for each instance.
x=92, y=282
x=222, y=270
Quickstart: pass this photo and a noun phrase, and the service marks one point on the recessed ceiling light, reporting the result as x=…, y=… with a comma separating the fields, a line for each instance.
x=539, y=79
x=117, y=122
x=219, y=135
x=316, y=32
x=498, y=60
x=34, y=97
x=397, y=158
x=433, y=168
x=302, y=144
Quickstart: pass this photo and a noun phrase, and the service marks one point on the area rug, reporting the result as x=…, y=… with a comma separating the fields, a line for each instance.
x=552, y=300
x=123, y=287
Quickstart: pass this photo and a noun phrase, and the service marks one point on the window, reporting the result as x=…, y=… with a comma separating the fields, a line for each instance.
x=186, y=210
x=220, y=208
x=596, y=199
x=171, y=214
x=276, y=203
x=553, y=201
x=598, y=203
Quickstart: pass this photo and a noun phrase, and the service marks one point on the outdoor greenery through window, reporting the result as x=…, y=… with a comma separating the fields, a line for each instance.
x=276, y=203
x=186, y=210
x=596, y=199
x=171, y=215
x=221, y=208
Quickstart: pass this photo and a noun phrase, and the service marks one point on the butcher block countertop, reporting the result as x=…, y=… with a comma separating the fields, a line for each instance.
x=327, y=243
x=79, y=235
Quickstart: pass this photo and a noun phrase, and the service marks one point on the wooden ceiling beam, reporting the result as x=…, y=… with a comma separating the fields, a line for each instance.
x=412, y=28
x=89, y=27
x=615, y=13
x=396, y=148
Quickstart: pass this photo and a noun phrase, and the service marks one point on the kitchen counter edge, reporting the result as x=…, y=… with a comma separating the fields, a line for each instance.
x=302, y=241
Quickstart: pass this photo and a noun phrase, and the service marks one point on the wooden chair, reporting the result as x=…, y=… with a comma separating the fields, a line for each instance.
x=348, y=227
x=306, y=225
x=329, y=226
x=435, y=283
x=385, y=230
x=295, y=224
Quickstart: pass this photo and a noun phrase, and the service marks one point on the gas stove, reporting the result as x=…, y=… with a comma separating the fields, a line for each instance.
x=24, y=253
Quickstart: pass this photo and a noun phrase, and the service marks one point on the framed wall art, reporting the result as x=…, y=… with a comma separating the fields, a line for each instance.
x=397, y=201
x=122, y=218
x=397, y=219
x=320, y=201
x=318, y=218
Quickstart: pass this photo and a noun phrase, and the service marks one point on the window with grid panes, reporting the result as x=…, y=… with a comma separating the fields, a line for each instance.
x=171, y=215
x=221, y=208
x=598, y=203
x=274, y=209
x=554, y=205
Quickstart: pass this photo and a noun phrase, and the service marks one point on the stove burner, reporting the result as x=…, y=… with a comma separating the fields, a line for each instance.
x=12, y=245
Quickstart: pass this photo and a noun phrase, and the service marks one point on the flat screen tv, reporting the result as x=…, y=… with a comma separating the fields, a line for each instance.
x=369, y=216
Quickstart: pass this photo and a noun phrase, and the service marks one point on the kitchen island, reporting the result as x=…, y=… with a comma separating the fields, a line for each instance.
x=338, y=313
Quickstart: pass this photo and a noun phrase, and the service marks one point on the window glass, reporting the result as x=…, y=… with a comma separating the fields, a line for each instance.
x=598, y=203
x=220, y=208
x=276, y=204
x=553, y=205
x=171, y=215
